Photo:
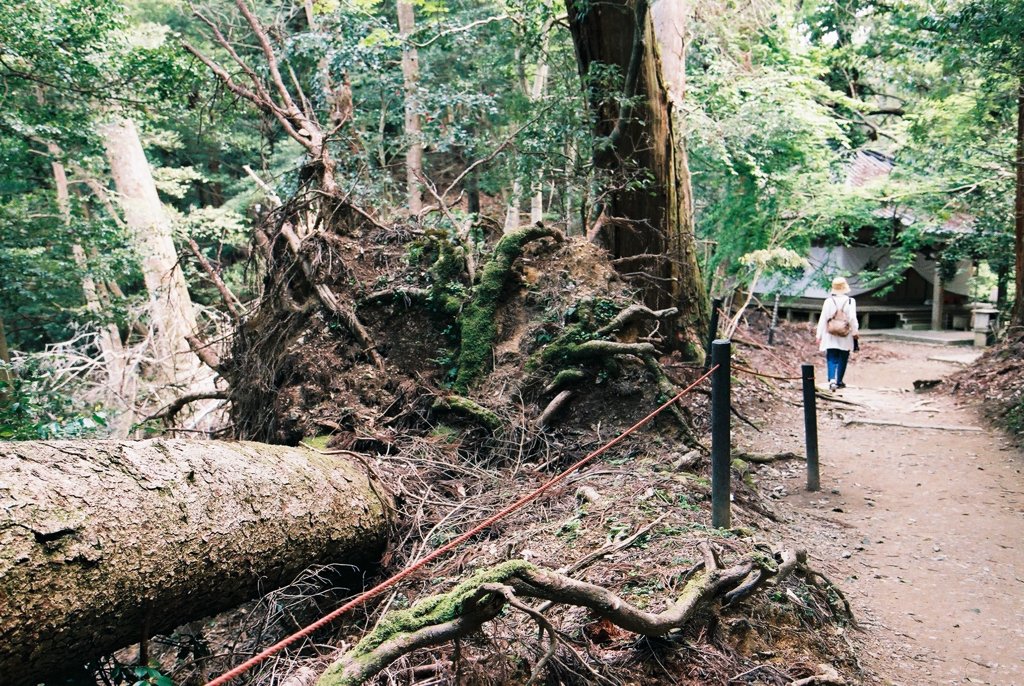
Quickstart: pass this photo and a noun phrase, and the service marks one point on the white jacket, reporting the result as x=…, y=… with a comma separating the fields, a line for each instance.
x=832, y=304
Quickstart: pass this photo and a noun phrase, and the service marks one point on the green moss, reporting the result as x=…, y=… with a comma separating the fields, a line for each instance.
x=437, y=609
x=471, y=409
x=316, y=442
x=568, y=377
x=447, y=291
x=477, y=321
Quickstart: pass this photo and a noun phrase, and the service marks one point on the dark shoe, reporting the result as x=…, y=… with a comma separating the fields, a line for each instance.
x=840, y=385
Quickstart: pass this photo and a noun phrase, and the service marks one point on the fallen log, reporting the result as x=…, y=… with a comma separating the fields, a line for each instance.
x=99, y=539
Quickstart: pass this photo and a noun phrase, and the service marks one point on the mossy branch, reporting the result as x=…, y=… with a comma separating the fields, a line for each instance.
x=471, y=409
x=477, y=325
x=482, y=597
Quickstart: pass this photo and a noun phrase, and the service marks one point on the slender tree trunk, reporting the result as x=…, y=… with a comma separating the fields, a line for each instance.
x=647, y=46
x=512, y=220
x=413, y=129
x=5, y=355
x=540, y=81
x=937, y=297
x=104, y=541
x=1017, y=318
x=172, y=313
x=111, y=347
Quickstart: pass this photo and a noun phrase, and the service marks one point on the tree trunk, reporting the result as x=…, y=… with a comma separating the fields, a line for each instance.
x=1017, y=318
x=109, y=338
x=512, y=219
x=647, y=47
x=413, y=131
x=103, y=538
x=938, y=294
x=171, y=305
x=5, y=356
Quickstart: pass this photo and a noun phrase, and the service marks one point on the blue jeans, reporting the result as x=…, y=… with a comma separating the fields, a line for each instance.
x=835, y=361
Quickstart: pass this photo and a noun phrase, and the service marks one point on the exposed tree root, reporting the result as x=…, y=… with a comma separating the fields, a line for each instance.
x=758, y=458
x=470, y=408
x=330, y=300
x=481, y=598
x=556, y=404
x=632, y=314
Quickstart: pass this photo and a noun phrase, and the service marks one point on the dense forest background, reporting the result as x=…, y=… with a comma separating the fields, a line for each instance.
x=452, y=117
x=459, y=118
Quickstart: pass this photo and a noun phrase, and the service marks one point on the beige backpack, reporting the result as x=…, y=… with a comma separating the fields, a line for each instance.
x=839, y=324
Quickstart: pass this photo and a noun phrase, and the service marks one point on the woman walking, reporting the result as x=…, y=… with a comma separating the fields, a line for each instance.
x=837, y=331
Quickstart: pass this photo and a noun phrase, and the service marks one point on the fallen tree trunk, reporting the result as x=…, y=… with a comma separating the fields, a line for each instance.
x=102, y=542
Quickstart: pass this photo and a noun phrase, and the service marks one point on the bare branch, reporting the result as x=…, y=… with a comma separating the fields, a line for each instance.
x=230, y=299
x=268, y=51
x=459, y=29
x=168, y=412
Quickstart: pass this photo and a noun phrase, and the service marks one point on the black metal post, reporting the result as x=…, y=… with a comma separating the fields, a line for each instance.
x=721, y=451
x=810, y=427
x=716, y=305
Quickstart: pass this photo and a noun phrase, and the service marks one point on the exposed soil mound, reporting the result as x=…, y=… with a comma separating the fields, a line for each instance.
x=634, y=522
x=996, y=383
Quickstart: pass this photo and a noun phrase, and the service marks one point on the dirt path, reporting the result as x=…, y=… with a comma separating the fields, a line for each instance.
x=921, y=527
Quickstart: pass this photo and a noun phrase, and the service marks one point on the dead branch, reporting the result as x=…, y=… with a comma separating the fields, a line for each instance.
x=272, y=196
x=231, y=301
x=750, y=343
x=168, y=412
x=459, y=29
x=833, y=398
x=204, y=352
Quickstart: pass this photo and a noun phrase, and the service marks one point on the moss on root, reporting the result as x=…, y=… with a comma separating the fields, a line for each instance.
x=471, y=409
x=477, y=323
x=447, y=290
x=439, y=608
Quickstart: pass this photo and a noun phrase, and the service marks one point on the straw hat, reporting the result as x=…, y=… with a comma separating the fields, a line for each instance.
x=839, y=285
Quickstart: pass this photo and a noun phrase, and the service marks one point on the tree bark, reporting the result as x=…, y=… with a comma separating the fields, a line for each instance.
x=647, y=47
x=103, y=538
x=5, y=356
x=171, y=305
x=413, y=130
x=1017, y=318
x=109, y=338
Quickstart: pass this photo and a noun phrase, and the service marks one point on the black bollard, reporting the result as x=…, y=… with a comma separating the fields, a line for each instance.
x=716, y=305
x=810, y=427
x=721, y=450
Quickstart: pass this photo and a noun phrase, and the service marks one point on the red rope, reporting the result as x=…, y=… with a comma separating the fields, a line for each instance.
x=448, y=547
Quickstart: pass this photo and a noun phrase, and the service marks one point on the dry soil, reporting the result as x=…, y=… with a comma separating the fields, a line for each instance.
x=918, y=519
